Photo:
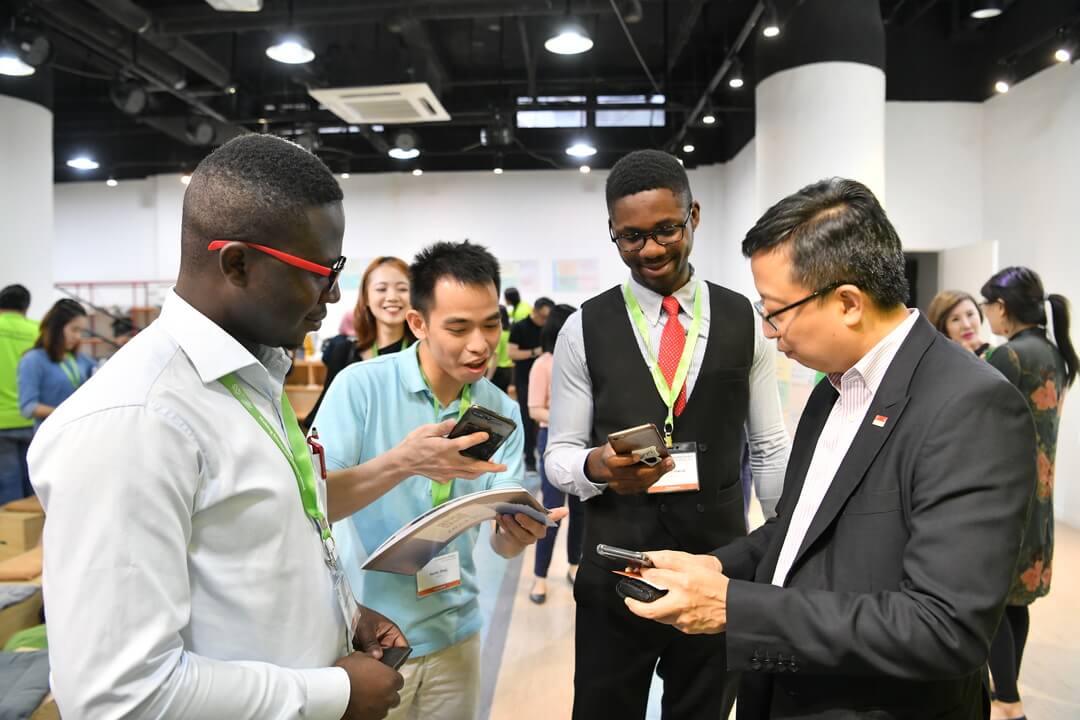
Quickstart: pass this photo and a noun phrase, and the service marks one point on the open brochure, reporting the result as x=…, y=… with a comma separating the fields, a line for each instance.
x=414, y=545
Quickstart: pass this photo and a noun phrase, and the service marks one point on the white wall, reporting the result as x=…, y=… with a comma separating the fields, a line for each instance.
x=934, y=171
x=1031, y=146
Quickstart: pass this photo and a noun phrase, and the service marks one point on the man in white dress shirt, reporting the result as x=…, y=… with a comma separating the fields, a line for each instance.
x=878, y=586
x=188, y=563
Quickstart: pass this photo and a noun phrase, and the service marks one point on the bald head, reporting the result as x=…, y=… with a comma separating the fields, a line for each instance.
x=256, y=188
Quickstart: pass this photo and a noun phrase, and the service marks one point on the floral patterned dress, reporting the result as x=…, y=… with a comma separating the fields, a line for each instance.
x=1033, y=364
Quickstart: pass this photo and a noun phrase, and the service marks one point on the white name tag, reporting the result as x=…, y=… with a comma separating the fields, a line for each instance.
x=684, y=478
x=442, y=573
x=350, y=610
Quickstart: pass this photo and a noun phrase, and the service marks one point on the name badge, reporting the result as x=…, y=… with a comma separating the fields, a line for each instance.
x=350, y=610
x=442, y=573
x=684, y=478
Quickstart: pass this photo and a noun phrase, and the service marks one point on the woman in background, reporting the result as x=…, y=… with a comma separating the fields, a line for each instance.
x=379, y=321
x=958, y=317
x=539, y=409
x=1015, y=304
x=54, y=368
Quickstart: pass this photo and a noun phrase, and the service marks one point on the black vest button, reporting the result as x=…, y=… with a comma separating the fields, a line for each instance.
x=700, y=507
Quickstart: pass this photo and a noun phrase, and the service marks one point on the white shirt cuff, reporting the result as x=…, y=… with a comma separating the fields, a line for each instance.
x=586, y=488
x=328, y=691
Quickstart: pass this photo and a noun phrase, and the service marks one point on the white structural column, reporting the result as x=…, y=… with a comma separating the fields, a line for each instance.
x=821, y=101
x=26, y=200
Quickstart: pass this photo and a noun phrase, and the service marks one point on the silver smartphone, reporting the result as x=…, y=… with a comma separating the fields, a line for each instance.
x=643, y=442
x=632, y=558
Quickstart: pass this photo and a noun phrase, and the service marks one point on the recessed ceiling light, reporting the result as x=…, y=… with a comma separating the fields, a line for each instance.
x=111, y=182
x=708, y=119
x=571, y=39
x=688, y=148
x=581, y=150
x=344, y=176
x=585, y=169
x=83, y=163
x=417, y=172
x=291, y=51
x=1001, y=86
x=185, y=179
x=498, y=171
x=770, y=31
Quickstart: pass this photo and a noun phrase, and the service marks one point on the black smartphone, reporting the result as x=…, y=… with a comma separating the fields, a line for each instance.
x=638, y=590
x=395, y=657
x=631, y=558
x=480, y=419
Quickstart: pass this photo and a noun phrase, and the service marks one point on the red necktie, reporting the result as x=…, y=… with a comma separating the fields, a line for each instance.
x=672, y=342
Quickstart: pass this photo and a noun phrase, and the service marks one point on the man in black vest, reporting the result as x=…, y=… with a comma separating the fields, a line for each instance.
x=643, y=353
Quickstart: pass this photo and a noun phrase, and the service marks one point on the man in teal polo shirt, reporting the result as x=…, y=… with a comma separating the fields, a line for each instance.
x=382, y=424
x=17, y=335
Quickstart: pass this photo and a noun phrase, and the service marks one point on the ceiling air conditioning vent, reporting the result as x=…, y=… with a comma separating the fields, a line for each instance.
x=383, y=104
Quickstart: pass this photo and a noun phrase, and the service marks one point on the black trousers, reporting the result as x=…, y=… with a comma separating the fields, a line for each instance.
x=1007, y=651
x=616, y=652
x=528, y=425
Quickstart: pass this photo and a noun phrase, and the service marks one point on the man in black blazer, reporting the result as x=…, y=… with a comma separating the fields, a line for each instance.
x=875, y=591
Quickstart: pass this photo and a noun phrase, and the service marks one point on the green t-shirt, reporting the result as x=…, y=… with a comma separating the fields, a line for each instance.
x=502, y=351
x=17, y=335
x=520, y=312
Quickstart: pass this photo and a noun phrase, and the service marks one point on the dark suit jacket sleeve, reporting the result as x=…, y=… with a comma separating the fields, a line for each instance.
x=740, y=557
x=970, y=480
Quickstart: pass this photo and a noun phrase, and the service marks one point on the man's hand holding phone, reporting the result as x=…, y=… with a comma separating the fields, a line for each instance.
x=428, y=452
x=624, y=473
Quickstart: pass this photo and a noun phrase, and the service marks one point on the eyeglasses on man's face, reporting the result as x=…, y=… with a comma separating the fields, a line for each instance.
x=767, y=317
x=330, y=272
x=662, y=234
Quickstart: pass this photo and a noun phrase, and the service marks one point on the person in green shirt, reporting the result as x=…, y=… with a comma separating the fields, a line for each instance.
x=501, y=371
x=518, y=310
x=17, y=335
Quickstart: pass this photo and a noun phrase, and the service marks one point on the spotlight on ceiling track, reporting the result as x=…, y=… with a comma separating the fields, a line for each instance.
x=709, y=118
x=581, y=149
x=735, y=76
x=1067, y=47
x=585, y=169
x=111, y=182
x=83, y=162
x=1005, y=80
x=129, y=97
x=770, y=28
x=417, y=172
x=406, y=145
x=986, y=9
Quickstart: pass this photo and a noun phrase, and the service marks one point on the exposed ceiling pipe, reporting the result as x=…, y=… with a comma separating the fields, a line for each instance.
x=733, y=51
x=134, y=18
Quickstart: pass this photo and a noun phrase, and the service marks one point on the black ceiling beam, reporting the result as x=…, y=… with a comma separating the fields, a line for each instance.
x=185, y=20
x=422, y=47
x=686, y=31
x=530, y=57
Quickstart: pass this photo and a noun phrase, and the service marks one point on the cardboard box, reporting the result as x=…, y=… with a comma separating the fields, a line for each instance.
x=19, y=532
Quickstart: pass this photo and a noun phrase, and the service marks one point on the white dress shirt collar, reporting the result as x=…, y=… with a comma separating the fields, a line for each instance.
x=652, y=302
x=871, y=367
x=214, y=352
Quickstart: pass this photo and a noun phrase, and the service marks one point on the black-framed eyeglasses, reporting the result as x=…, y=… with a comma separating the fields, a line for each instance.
x=767, y=317
x=663, y=235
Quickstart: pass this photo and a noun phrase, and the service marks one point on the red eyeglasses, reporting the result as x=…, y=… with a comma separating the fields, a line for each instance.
x=330, y=273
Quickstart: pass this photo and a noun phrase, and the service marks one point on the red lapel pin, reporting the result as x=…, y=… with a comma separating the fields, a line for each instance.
x=880, y=420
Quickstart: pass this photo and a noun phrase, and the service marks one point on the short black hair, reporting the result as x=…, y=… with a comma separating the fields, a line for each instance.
x=543, y=302
x=254, y=187
x=644, y=170
x=554, y=325
x=466, y=262
x=838, y=233
x=15, y=297
x=512, y=296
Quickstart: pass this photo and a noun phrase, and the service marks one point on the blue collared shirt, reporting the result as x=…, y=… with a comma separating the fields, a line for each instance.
x=44, y=382
x=369, y=409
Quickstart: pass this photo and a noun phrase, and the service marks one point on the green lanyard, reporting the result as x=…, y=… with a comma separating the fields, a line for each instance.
x=71, y=368
x=440, y=492
x=304, y=471
x=669, y=394
x=375, y=347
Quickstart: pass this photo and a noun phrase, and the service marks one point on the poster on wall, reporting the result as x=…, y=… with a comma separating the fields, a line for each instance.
x=576, y=276
x=522, y=274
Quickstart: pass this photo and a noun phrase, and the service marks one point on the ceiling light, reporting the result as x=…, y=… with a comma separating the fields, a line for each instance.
x=498, y=171
x=986, y=9
x=129, y=97
x=688, y=148
x=1063, y=55
x=417, y=172
x=735, y=78
x=11, y=65
x=344, y=176
x=585, y=169
x=185, y=179
x=404, y=154
x=1067, y=48
x=571, y=39
x=708, y=119
x=83, y=163
x=1002, y=86
x=771, y=27
x=581, y=150
x=406, y=145
x=291, y=51
x=111, y=182
x=230, y=90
